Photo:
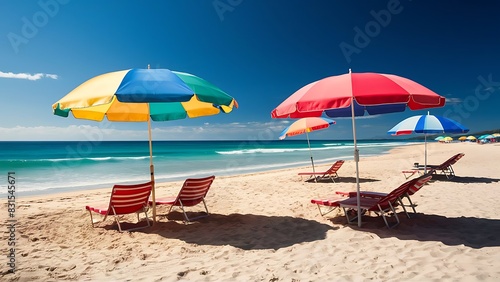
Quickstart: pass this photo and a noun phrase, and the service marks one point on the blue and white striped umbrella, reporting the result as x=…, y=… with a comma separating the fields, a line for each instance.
x=427, y=124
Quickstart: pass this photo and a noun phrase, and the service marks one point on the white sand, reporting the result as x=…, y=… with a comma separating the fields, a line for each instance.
x=263, y=228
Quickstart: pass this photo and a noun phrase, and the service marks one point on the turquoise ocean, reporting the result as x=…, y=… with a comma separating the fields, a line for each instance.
x=51, y=167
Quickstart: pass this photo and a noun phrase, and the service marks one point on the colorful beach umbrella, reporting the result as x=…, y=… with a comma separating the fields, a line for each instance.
x=354, y=94
x=462, y=138
x=447, y=139
x=427, y=124
x=471, y=138
x=142, y=95
x=306, y=125
x=486, y=136
x=439, y=138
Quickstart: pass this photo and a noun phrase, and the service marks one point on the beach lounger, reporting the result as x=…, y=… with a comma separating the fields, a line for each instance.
x=414, y=188
x=330, y=173
x=192, y=193
x=381, y=206
x=380, y=203
x=445, y=168
x=125, y=199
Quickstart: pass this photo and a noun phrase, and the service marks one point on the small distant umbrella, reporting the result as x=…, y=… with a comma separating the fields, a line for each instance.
x=439, y=138
x=306, y=125
x=496, y=134
x=462, y=138
x=470, y=137
x=447, y=139
x=486, y=136
x=427, y=124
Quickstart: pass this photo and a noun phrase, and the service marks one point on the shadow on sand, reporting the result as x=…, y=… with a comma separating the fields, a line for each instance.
x=342, y=180
x=464, y=179
x=244, y=231
x=452, y=231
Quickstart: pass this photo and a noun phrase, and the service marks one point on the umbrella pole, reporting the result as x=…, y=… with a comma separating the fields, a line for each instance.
x=152, y=171
x=356, y=160
x=310, y=153
x=425, y=150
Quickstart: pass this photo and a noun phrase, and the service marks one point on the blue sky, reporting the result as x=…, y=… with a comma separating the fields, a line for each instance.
x=258, y=51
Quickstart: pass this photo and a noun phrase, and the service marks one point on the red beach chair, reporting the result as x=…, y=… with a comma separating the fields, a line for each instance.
x=125, y=199
x=330, y=173
x=192, y=193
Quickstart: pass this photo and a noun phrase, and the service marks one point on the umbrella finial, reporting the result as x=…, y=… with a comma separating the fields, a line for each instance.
x=149, y=66
x=349, y=70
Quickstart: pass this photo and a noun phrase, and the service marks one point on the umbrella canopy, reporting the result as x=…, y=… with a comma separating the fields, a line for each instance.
x=447, y=139
x=159, y=94
x=353, y=94
x=470, y=137
x=306, y=125
x=142, y=95
x=462, y=138
x=427, y=124
x=439, y=138
x=486, y=136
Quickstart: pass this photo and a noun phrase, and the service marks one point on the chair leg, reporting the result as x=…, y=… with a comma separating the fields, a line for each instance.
x=411, y=204
x=116, y=219
x=400, y=200
x=91, y=219
x=184, y=212
x=206, y=209
x=146, y=214
x=350, y=220
x=327, y=212
x=384, y=217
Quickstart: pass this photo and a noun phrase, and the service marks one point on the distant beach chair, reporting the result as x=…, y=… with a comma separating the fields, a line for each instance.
x=192, y=193
x=330, y=173
x=445, y=168
x=125, y=199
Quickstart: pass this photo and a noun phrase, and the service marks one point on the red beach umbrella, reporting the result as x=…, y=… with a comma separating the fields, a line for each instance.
x=353, y=94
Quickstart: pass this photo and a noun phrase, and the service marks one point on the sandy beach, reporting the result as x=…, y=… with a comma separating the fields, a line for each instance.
x=263, y=227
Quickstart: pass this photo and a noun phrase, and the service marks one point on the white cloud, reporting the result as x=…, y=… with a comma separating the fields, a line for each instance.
x=110, y=131
x=453, y=100
x=27, y=76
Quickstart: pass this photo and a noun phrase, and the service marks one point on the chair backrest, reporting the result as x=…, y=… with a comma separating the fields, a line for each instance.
x=194, y=190
x=395, y=194
x=419, y=183
x=335, y=167
x=127, y=199
x=451, y=161
x=456, y=158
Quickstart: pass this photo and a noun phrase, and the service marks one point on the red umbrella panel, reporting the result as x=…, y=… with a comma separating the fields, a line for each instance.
x=354, y=94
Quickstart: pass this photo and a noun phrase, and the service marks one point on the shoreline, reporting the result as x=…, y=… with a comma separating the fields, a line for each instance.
x=262, y=226
x=100, y=189
x=160, y=177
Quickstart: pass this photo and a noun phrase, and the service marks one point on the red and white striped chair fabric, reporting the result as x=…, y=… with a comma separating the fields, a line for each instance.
x=192, y=193
x=125, y=199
